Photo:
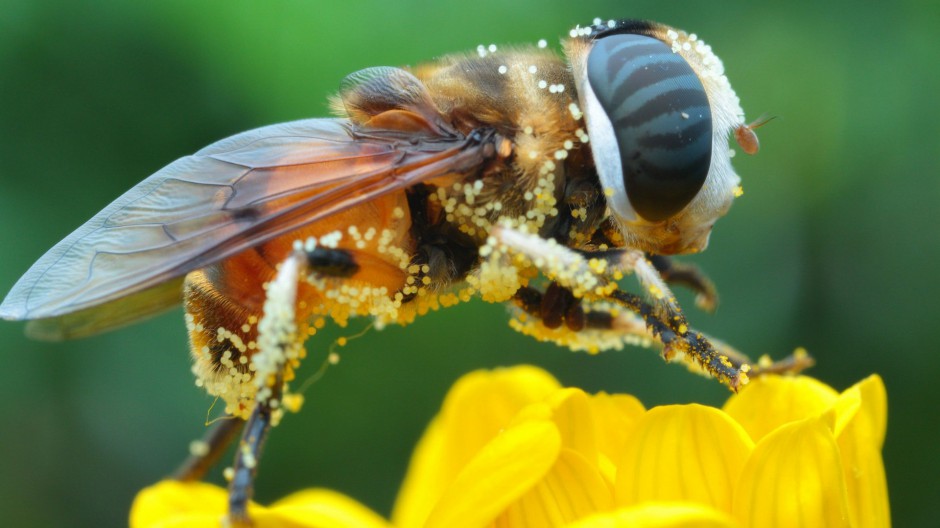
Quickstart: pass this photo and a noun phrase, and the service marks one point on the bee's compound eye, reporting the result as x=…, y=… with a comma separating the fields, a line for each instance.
x=661, y=121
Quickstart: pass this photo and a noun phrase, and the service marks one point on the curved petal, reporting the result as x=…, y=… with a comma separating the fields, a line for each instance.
x=177, y=504
x=870, y=422
x=320, y=508
x=771, y=401
x=687, y=453
x=660, y=515
x=423, y=482
x=572, y=490
x=575, y=421
x=476, y=409
x=505, y=469
x=793, y=479
x=860, y=442
x=615, y=417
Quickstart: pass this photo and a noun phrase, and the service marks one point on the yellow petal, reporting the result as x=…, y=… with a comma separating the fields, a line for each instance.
x=572, y=489
x=178, y=504
x=575, y=421
x=793, y=479
x=505, y=469
x=660, y=515
x=423, y=483
x=870, y=422
x=860, y=442
x=843, y=411
x=771, y=401
x=686, y=453
x=476, y=409
x=320, y=508
x=615, y=416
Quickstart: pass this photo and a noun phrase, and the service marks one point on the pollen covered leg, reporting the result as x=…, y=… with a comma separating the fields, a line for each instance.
x=587, y=275
x=280, y=343
x=688, y=342
x=593, y=328
x=689, y=276
x=557, y=316
x=592, y=277
x=206, y=452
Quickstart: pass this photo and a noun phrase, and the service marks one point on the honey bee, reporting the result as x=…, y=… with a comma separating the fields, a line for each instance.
x=516, y=175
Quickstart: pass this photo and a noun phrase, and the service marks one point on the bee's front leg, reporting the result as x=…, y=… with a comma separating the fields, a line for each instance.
x=689, y=276
x=593, y=277
x=557, y=306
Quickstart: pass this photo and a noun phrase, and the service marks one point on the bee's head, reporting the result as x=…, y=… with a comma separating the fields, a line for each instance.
x=659, y=111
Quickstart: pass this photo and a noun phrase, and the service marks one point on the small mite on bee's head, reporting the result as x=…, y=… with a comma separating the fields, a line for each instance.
x=747, y=138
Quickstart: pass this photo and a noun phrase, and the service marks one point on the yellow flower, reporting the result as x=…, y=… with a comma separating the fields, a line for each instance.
x=513, y=448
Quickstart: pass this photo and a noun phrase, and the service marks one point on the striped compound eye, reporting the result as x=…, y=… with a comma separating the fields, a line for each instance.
x=656, y=116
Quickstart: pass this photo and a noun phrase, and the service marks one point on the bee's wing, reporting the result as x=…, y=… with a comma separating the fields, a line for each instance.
x=127, y=261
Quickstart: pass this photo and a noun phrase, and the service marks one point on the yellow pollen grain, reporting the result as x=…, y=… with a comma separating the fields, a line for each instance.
x=199, y=448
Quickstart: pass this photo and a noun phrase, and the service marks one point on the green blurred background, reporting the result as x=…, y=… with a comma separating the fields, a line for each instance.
x=833, y=246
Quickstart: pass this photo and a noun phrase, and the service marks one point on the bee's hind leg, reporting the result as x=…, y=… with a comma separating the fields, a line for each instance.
x=278, y=344
x=241, y=487
x=206, y=452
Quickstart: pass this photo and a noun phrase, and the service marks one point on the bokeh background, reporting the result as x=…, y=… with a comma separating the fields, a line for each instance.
x=834, y=245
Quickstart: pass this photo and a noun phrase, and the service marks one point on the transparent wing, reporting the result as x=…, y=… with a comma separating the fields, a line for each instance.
x=234, y=194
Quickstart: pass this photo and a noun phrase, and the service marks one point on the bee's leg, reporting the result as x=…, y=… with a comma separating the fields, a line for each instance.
x=721, y=359
x=557, y=306
x=278, y=343
x=590, y=275
x=554, y=306
x=662, y=301
x=241, y=487
x=212, y=446
x=682, y=339
x=689, y=276
x=593, y=277
x=706, y=350
x=796, y=362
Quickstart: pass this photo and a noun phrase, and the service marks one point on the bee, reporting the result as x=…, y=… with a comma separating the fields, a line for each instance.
x=516, y=175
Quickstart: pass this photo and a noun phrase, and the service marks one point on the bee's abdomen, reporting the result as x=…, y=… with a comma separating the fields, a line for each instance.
x=661, y=119
x=223, y=304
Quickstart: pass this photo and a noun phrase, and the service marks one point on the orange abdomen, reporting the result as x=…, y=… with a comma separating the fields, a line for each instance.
x=223, y=302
